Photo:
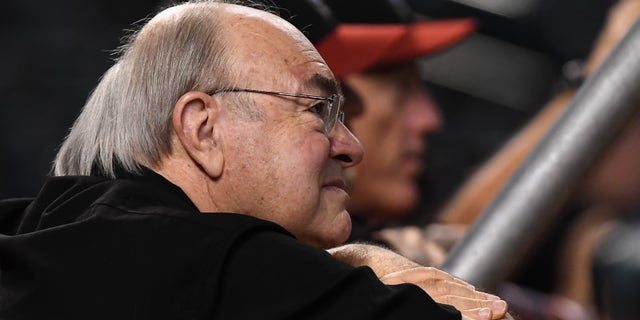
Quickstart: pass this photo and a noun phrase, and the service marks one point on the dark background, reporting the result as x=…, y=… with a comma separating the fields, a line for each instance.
x=53, y=54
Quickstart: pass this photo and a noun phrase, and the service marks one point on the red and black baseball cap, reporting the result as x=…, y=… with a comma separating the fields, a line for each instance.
x=354, y=36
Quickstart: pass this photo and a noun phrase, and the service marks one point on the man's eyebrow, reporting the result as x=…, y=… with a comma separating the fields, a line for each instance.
x=328, y=85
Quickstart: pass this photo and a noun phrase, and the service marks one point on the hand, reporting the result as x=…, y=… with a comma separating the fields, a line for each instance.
x=444, y=288
x=393, y=268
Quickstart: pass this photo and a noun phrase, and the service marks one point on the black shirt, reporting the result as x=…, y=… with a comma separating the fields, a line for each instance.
x=137, y=248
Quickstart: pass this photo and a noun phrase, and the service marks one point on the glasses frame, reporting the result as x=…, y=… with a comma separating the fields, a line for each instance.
x=330, y=120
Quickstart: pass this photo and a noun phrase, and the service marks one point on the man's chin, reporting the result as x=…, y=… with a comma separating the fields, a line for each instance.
x=337, y=235
x=342, y=229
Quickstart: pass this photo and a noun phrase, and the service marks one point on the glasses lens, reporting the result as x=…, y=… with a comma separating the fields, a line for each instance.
x=333, y=106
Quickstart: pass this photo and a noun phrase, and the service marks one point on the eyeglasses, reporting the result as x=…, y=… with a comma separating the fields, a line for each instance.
x=329, y=109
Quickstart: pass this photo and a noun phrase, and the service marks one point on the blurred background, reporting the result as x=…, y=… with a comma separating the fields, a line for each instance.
x=491, y=84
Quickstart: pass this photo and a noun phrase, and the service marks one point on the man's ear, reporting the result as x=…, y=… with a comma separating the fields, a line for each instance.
x=195, y=121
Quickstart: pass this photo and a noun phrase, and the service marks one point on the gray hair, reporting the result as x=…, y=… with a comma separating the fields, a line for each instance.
x=127, y=118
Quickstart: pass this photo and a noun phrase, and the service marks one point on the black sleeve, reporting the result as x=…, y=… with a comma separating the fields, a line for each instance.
x=274, y=276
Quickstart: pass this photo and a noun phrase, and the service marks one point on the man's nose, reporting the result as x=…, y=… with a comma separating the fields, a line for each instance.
x=345, y=147
x=423, y=116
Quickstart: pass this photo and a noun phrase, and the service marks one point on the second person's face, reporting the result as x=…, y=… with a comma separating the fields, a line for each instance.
x=395, y=116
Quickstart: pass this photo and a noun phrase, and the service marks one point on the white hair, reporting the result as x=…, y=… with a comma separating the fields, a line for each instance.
x=127, y=119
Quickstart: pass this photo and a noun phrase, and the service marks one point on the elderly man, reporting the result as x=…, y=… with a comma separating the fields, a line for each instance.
x=202, y=180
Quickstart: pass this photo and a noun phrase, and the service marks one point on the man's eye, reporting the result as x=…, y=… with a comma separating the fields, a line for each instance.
x=318, y=108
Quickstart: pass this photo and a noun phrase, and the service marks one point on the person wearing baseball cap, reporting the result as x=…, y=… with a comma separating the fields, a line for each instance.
x=372, y=50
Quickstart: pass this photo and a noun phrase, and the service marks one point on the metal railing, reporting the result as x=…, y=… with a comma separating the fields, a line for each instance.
x=512, y=223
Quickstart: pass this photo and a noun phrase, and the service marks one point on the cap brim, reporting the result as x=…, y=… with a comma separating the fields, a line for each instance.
x=353, y=48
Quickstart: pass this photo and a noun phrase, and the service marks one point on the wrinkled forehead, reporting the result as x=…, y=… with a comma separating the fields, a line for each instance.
x=274, y=54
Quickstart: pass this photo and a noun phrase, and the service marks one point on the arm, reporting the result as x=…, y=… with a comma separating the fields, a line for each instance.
x=393, y=269
x=274, y=276
x=380, y=260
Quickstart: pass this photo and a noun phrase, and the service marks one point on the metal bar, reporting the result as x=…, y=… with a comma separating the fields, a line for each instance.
x=512, y=223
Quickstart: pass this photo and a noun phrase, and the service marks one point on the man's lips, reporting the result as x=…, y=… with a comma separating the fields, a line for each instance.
x=414, y=163
x=338, y=183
